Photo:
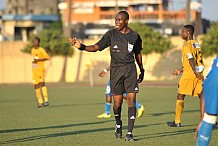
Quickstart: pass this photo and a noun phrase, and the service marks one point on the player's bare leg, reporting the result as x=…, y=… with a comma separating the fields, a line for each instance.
x=107, y=114
x=139, y=108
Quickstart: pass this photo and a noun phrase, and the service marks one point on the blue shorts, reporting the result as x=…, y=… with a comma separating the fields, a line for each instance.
x=108, y=90
x=210, y=87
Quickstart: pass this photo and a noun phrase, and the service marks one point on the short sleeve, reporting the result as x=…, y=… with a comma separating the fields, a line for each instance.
x=105, y=41
x=45, y=54
x=138, y=45
x=187, y=51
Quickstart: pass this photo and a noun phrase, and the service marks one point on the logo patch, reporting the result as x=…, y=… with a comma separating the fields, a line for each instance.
x=115, y=47
x=204, y=137
x=130, y=47
x=132, y=118
x=118, y=126
x=196, y=45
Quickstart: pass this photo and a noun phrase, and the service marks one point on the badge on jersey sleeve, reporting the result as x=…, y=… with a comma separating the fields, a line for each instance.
x=130, y=47
x=196, y=45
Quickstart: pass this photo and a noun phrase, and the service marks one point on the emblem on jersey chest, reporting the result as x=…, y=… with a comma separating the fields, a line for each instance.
x=196, y=45
x=130, y=47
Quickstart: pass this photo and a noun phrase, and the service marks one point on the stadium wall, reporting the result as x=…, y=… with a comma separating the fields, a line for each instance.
x=15, y=66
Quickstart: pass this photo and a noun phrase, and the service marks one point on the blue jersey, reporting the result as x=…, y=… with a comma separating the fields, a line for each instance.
x=210, y=88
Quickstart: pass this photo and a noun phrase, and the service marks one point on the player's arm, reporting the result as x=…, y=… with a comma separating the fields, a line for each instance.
x=36, y=59
x=190, y=57
x=104, y=72
x=177, y=71
x=192, y=64
x=42, y=59
x=45, y=56
x=76, y=43
x=197, y=129
x=138, y=57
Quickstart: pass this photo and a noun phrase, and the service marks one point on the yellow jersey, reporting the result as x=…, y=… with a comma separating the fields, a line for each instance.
x=191, y=49
x=38, y=53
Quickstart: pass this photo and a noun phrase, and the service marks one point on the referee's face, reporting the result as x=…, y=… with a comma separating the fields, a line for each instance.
x=120, y=22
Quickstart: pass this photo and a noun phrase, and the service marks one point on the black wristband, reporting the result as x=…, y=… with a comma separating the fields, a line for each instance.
x=82, y=47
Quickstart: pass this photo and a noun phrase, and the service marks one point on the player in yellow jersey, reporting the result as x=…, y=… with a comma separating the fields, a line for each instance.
x=39, y=55
x=191, y=80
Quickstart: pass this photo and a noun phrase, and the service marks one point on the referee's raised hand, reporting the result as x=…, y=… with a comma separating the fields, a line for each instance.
x=74, y=42
x=71, y=41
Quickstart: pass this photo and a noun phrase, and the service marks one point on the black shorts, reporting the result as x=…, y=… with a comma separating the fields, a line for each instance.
x=124, y=79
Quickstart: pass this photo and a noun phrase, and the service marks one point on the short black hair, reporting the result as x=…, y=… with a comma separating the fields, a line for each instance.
x=125, y=14
x=37, y=38
x=190, y=28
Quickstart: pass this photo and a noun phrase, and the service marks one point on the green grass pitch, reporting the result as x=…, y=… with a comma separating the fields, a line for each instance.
x=71, y=118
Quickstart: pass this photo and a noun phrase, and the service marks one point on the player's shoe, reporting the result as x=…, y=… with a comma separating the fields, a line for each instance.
x=129, y=137
x=40, y=105
x=173, y=124
x=46, y=104
x=118, y=131
x=104, y=115
x=140, y=111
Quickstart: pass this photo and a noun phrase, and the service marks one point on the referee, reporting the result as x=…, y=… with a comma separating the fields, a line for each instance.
x=124, y=44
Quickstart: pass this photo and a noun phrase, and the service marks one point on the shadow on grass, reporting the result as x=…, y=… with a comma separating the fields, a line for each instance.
x=53, y=127
x=31, y=138
x=180, y=131
x=8, y=101
x=70, y=105
x=166, y=134
x=166, y=113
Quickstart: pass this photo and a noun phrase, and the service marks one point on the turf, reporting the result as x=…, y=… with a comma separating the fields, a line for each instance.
x=71, y=118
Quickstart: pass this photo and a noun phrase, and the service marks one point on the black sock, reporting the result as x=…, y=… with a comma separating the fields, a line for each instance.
x=117, y=115
x=131, y=118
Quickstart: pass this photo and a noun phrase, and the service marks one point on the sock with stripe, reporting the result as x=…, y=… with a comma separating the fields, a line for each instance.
x=117, y=115
x=204, y=134
x=131, y=118
x=205, y=130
